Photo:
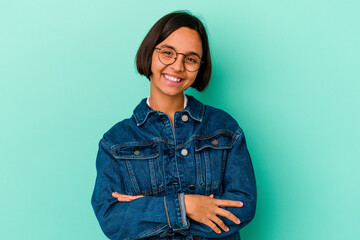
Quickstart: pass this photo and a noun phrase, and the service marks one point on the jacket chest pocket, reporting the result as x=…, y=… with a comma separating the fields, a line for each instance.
x=141, y=168
x=211, y=154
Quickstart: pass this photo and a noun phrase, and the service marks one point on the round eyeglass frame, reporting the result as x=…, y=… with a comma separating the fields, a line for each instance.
x=159, y=49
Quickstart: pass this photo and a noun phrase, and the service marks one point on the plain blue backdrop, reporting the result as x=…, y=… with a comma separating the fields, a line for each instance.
x=287, y=71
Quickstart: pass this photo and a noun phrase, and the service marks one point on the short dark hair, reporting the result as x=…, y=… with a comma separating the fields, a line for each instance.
x=160, y=31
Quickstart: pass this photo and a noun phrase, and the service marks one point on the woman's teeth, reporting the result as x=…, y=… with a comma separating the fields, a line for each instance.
x=172, y=78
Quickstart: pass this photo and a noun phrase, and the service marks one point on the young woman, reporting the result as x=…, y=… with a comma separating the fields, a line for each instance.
x=177, y=169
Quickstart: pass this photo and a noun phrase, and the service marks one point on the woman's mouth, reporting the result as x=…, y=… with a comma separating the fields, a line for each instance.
x=172, y=78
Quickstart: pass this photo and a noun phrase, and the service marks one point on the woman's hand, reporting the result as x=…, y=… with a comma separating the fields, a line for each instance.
x=124, y=197
x=200, y=208
x=205, y=209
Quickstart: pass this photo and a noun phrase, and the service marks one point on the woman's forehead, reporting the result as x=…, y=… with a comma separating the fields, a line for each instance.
x=184, y=40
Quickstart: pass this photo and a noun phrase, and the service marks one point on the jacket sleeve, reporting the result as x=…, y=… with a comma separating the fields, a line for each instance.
x=239, y=184
x=140, y=218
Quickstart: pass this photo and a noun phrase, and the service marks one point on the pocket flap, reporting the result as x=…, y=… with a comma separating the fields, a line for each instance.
x=146, y=150
x=222, y=140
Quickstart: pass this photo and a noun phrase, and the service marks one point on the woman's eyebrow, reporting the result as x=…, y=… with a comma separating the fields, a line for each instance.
x=167, y=46
x=188, y=53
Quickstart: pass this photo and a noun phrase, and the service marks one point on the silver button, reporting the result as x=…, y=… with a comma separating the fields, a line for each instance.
x=184, y=152
x=185, y=118
x=215, y=142
x=136, y=152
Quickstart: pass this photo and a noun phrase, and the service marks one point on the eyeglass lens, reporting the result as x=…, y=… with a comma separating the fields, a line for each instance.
x=168, y=56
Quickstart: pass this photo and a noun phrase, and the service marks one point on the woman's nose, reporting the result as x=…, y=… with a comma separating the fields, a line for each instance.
x=178, y=65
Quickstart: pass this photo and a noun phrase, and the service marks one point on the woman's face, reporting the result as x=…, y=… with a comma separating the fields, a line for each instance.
x=174, y=79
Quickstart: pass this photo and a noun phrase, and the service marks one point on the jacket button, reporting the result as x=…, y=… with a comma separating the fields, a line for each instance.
x=215, y=142
x=136, y=152
x=185, y=118
x=192, y=187
x=184, y=152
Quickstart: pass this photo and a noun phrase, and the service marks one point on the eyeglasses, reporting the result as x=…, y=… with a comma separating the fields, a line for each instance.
x=167, y=56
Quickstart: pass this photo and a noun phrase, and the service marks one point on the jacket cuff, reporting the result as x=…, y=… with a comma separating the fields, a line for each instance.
x=176, y=212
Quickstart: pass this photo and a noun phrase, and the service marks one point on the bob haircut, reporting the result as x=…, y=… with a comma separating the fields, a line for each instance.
x=160, y=31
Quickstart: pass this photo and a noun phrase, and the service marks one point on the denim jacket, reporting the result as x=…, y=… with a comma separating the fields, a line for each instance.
x=205, y=154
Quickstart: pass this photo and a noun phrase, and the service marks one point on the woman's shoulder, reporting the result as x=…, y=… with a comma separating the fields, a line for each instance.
x=221, y=119
x=215, y=113
x=127, y=129
x=217, y=118
x=123, y=129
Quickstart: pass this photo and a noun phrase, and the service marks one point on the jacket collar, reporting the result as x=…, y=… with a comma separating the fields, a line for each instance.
x=194, y=108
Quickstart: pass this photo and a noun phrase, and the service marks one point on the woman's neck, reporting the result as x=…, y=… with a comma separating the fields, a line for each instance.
x=167, y=104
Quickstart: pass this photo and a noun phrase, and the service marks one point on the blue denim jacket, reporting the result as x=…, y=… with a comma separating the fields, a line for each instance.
x=205, y=154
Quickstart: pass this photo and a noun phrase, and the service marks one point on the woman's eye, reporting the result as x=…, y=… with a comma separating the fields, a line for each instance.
x=167, y=53
x=191, y=60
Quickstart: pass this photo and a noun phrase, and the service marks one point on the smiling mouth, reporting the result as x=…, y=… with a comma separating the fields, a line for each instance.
x=172, y=79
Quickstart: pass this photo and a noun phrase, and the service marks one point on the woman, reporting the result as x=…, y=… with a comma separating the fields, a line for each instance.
x=177, y=169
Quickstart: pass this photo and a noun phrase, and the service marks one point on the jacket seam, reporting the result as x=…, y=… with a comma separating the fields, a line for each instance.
x=105, y=144
x=152, y=191
x=215, y=133
x=233, y=135
x=167, y=213
x=147, y=143
x=239, y=132
x=149, y=232
x=129, y=157
x=154, y=141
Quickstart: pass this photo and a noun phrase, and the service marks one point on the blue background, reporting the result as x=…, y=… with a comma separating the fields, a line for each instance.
x=287, y=71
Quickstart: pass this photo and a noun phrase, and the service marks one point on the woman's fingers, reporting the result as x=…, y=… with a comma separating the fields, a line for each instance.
x=125, y=198
x=207, y=209
x=225, y=213
x=228, y=203
x=228, y=215
x=220, y=223
x=213, y=226
x=121, y=199
x=135, y=197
